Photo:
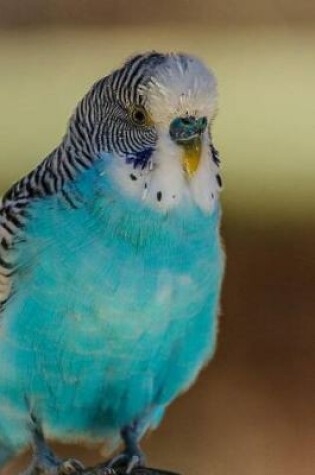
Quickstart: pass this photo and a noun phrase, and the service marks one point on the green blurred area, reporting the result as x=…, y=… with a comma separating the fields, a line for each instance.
x=265, y=126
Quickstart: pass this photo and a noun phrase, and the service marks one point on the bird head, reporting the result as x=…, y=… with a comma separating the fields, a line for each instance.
x=151, y=119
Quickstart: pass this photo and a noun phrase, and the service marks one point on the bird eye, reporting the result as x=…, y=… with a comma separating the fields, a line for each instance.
x=139, y=116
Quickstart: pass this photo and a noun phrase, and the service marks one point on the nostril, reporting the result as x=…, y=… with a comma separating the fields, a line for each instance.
x=187, y=120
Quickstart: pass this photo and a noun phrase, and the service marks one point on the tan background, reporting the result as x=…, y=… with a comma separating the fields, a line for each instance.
x=34, y=13
x=252, y=412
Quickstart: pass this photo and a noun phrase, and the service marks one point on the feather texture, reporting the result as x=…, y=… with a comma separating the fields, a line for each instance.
x=109, y=287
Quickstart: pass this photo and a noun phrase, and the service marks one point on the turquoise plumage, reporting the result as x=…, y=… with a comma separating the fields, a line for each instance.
x=113, y=300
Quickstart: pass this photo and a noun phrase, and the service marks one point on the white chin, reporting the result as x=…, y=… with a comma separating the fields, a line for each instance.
x=163, y=184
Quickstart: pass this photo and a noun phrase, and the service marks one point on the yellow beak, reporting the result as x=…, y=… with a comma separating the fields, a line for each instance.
x=191, y=156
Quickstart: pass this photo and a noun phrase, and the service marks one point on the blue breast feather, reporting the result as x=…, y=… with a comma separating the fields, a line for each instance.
x=113, y=312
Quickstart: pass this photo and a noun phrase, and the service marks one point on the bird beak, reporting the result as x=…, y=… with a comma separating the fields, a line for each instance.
x=191, y=156
x=187, y=132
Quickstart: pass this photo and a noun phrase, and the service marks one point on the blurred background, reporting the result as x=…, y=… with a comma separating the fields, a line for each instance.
x=252, y=411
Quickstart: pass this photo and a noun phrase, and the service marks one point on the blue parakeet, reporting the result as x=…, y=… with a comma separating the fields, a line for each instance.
x=111, y=264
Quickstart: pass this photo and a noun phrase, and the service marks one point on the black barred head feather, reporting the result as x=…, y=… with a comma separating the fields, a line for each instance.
x=103, y=120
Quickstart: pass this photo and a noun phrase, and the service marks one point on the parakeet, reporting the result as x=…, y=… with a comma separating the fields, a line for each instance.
x=111, y=265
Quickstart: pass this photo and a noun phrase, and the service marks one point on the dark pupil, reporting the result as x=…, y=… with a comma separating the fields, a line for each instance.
x=139, y=116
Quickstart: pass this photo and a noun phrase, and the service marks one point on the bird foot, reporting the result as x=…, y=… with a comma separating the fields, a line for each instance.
x=54, y=467
x=70, y=466
x=126, y=461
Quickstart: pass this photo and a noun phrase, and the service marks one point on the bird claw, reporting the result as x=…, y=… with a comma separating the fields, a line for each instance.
x=70, y=466
x=134, y=462
x=126, y=461
x=108, y=471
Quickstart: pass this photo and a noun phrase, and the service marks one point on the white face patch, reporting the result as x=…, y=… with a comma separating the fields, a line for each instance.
x=178, y=89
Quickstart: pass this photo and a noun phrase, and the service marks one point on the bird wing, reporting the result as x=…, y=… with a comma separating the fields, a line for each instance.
x=12, y=218
x=41, y=182
x=10, y=223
